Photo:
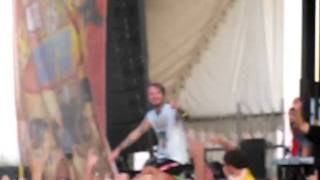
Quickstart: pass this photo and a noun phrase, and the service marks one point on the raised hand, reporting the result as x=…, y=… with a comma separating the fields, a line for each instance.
x=174, y=104
x=196, y=148
x=113, y=155
x=222, y=141
x=219, y=140
x=92, y=158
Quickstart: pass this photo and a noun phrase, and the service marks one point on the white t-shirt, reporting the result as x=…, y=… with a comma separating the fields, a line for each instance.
x=172, y=141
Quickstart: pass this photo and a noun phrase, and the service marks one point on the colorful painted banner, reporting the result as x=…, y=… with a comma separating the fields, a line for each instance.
x=60, y=82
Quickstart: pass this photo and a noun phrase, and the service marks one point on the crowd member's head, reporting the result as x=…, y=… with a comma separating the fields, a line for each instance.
x=294, y=114
x=292, y=117
x=5, y=177
x=217, y=170
x=63, y=169
x=297, y=103
x=156, y=94
x=235, y=161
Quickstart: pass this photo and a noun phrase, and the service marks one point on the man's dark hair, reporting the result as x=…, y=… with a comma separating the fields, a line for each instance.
x=217, y=169
x=236, y=159
x=159, y=86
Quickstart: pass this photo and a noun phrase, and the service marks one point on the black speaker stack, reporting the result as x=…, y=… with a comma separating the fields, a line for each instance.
x=255, y=151
x=126, y=71
x=309, y=87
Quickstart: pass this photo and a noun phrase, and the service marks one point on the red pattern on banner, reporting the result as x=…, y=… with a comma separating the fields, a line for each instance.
x=96, y=71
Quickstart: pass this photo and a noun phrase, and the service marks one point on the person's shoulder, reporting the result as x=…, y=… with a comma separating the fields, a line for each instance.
x=168, y=110
x=150, y=112
x=168, y=107
x=150, y=115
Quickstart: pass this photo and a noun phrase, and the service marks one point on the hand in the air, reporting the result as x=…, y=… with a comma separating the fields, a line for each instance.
x=196, y=148
x=174, y=104
x=92, y=158
x=122, y=176
x=219, y=140
x=113, y=155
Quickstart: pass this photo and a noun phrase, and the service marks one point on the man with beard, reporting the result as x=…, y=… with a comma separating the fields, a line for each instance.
x=172, y=151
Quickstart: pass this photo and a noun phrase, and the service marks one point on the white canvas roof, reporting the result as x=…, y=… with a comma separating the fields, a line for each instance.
x=217, y=57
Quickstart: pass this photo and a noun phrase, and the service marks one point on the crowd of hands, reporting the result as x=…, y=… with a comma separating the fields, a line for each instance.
x=65, y=171
x=197, y=153
x=196, y=150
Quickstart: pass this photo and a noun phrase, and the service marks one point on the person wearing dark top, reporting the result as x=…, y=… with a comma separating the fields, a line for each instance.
x=312, y=132
x=301, y=146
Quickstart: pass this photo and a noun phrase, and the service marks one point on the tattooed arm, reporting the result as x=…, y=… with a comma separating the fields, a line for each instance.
x=132, y=138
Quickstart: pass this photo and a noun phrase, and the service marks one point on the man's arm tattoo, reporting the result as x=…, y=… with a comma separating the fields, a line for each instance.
x=142, y=128
x=133, y=136
x=126, y=143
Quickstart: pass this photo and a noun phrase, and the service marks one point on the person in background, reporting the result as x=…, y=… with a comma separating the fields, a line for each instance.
x=311, y=132
x=236, y=166
x=301, y=146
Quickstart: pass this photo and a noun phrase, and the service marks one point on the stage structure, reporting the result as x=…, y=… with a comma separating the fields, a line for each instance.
x=310, y=77
x=310, y=62
x=127, y=72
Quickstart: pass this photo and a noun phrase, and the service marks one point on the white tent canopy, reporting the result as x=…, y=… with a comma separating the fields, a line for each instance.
x=217, y=57
x=223, y=61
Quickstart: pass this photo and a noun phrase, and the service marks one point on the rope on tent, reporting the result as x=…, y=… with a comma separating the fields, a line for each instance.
x=167, y=65
x=209, y=33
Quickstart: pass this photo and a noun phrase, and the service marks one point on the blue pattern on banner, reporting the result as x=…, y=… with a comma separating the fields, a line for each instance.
x=53, y=58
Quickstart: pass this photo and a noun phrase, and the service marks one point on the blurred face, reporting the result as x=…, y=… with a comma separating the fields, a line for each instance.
x=292, y=115
x=292, y=119
x=155, y=96
x=297, y=103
